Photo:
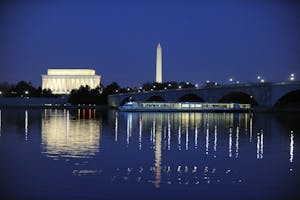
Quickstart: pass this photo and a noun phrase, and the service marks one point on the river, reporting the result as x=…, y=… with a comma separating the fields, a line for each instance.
x=106, y=154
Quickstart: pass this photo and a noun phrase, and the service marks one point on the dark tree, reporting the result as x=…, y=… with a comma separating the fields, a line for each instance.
x=112, y=88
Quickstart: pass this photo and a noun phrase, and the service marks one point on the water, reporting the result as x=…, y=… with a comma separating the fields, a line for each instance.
x=89, y=154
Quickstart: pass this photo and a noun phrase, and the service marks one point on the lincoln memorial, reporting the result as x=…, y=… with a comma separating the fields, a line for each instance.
x=62, y=81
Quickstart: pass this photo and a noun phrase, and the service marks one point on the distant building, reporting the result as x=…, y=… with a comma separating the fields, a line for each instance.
x=62, y=81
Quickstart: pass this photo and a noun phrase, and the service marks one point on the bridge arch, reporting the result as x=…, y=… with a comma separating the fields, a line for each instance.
x=156, y=98
x=238, y=97
x=190, y=98
x=289, y=100
x=126, y=100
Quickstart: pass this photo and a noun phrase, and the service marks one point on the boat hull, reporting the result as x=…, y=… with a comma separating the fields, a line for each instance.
x=183, y=110
x=184, y=107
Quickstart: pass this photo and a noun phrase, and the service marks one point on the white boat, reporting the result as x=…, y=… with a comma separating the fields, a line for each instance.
x=183, y=106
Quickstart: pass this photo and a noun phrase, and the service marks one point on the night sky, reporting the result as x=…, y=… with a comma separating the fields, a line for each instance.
x=200, y=41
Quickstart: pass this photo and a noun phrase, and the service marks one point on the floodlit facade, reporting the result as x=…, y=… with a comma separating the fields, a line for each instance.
x=62, y=81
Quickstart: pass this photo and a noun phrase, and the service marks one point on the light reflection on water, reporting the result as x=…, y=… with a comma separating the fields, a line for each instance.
x=63, y=136
x=26, y=125
x=79, y=137
x=160, y=149
x=186, y=126
x=163, y=126
x=0, y=121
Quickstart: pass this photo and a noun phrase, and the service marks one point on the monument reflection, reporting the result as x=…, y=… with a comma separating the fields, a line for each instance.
x=66, y=136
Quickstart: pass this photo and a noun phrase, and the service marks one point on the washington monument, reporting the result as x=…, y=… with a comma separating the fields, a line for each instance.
x=158, y=64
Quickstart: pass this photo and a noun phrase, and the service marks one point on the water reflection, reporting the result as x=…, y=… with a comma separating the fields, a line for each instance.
x=26, y=125
x=158, y=140
x=260, y=145
x=152, y=149
x=237, y=141
x=0, y=122
x=230, y=143
x=292, y=147
x=116, y=127
x=165, y=130
x=75, y=137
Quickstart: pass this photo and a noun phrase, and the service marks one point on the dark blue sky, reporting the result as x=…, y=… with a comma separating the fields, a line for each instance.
x=200, y=40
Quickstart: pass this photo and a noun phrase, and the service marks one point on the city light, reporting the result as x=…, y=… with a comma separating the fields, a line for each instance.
x=207, y=81
x=26, y=92
x=230, y=79
x=292, y=77
x=262, y=80
x=237, y=82
x=258, y=77
x=196, y=85
x=0, y=92
x=179, y=86
x=169, y=84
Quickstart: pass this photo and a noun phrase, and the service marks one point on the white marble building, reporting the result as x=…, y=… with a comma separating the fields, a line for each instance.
x=62, y=81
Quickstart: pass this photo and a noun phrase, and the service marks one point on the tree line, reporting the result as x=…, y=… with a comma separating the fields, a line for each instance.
x=87, y=95
x=23, y=89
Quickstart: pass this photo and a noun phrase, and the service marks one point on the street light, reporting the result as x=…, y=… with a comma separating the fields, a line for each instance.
x=237, y=82
x=230, y=79
x=262, y=80
x=26, y=92
x=258, y=77
x=196, y=85
x=0, y=92
x=292, y=77
x=179, y=86
x=207, y=81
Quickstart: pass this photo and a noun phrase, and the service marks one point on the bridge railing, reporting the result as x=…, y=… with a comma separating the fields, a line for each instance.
x=250, y=84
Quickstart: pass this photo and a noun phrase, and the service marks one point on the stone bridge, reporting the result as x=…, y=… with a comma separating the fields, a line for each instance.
x=258, y=94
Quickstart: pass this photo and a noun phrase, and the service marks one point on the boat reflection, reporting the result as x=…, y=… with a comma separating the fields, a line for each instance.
x=65, y=136
x=173, y=132
x=186, y=126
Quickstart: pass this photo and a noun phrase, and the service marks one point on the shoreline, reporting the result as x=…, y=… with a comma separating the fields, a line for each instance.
x=71, y=107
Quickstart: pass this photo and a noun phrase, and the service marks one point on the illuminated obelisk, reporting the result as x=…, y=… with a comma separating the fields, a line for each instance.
x=158, y=64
